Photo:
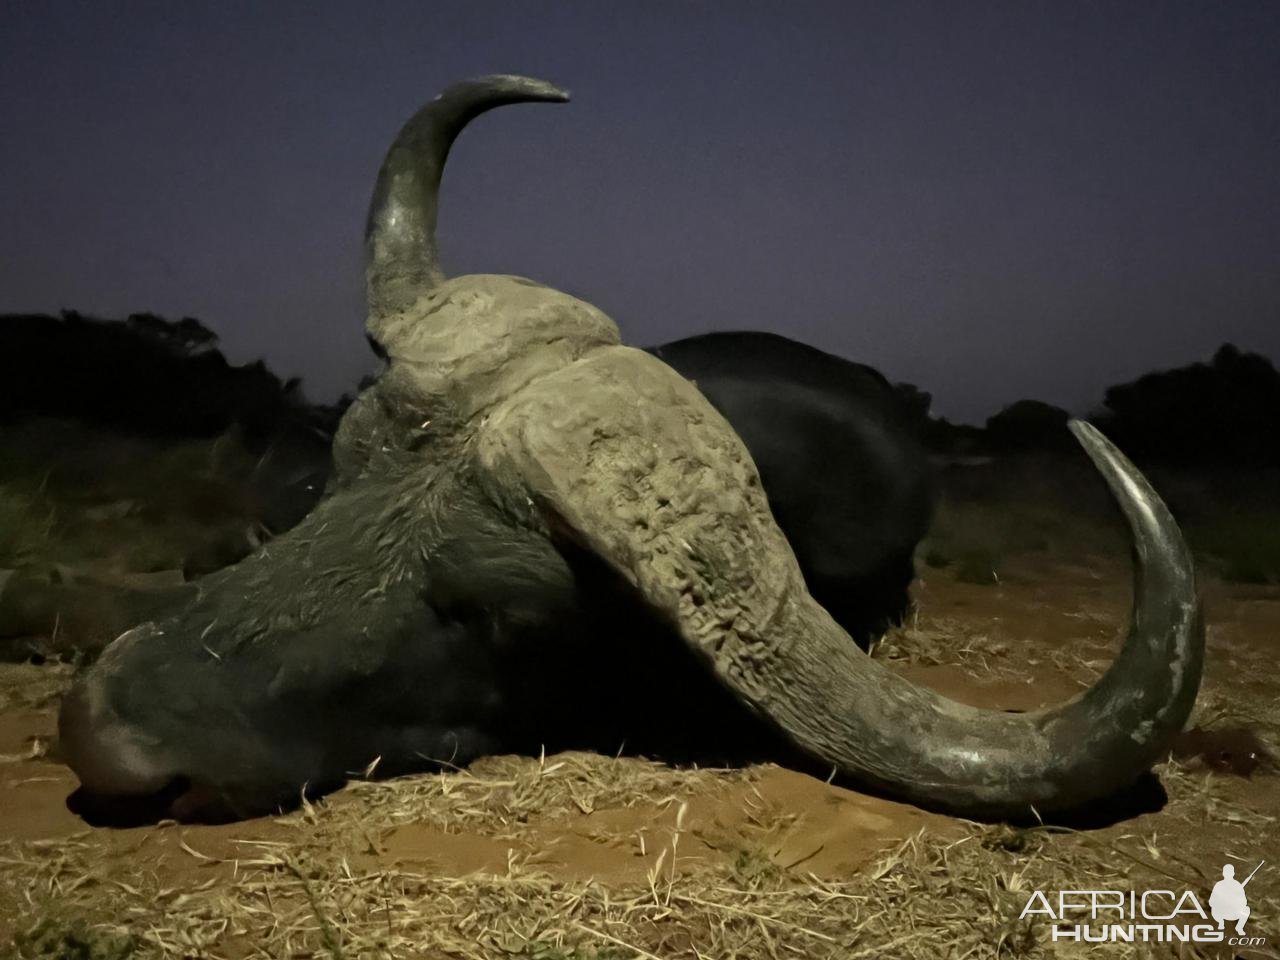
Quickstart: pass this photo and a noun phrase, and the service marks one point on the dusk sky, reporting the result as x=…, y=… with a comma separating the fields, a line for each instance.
x=990, y=200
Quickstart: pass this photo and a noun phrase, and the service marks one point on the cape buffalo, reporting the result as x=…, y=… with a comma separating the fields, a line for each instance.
x=538, y=535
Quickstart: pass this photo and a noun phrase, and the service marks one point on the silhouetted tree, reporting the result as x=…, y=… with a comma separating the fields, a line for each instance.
x=1029, y=425
x=916, y=401
x=187, y=336
x=145, y=375
x=1224, y=411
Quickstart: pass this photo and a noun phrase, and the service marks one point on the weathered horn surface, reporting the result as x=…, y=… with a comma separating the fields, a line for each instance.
x=401, y=259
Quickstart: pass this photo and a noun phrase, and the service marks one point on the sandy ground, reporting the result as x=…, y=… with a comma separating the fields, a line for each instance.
x=590, y=827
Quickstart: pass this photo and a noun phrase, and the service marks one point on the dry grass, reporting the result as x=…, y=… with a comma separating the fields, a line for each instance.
x=496, y=796
x=936, y=641
x=308, y=895
x=982, y=651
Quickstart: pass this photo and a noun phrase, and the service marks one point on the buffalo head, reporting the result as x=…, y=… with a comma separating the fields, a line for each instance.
x=512, y=443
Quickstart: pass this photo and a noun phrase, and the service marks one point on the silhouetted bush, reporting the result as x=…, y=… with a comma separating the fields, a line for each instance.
x=945, y=438
x=1029, y=425
x=1221, y=413
x=915, y=402
x=1224, y=411
x=145, y=375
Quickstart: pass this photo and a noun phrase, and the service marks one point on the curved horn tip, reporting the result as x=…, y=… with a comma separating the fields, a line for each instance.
x=1114, y=465
x=401, y=259
x=1106, y=456
x=530, y=87
x=1138, y=500
x=1085, y=431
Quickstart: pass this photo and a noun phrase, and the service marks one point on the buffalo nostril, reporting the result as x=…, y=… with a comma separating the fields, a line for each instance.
x=107, y=754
